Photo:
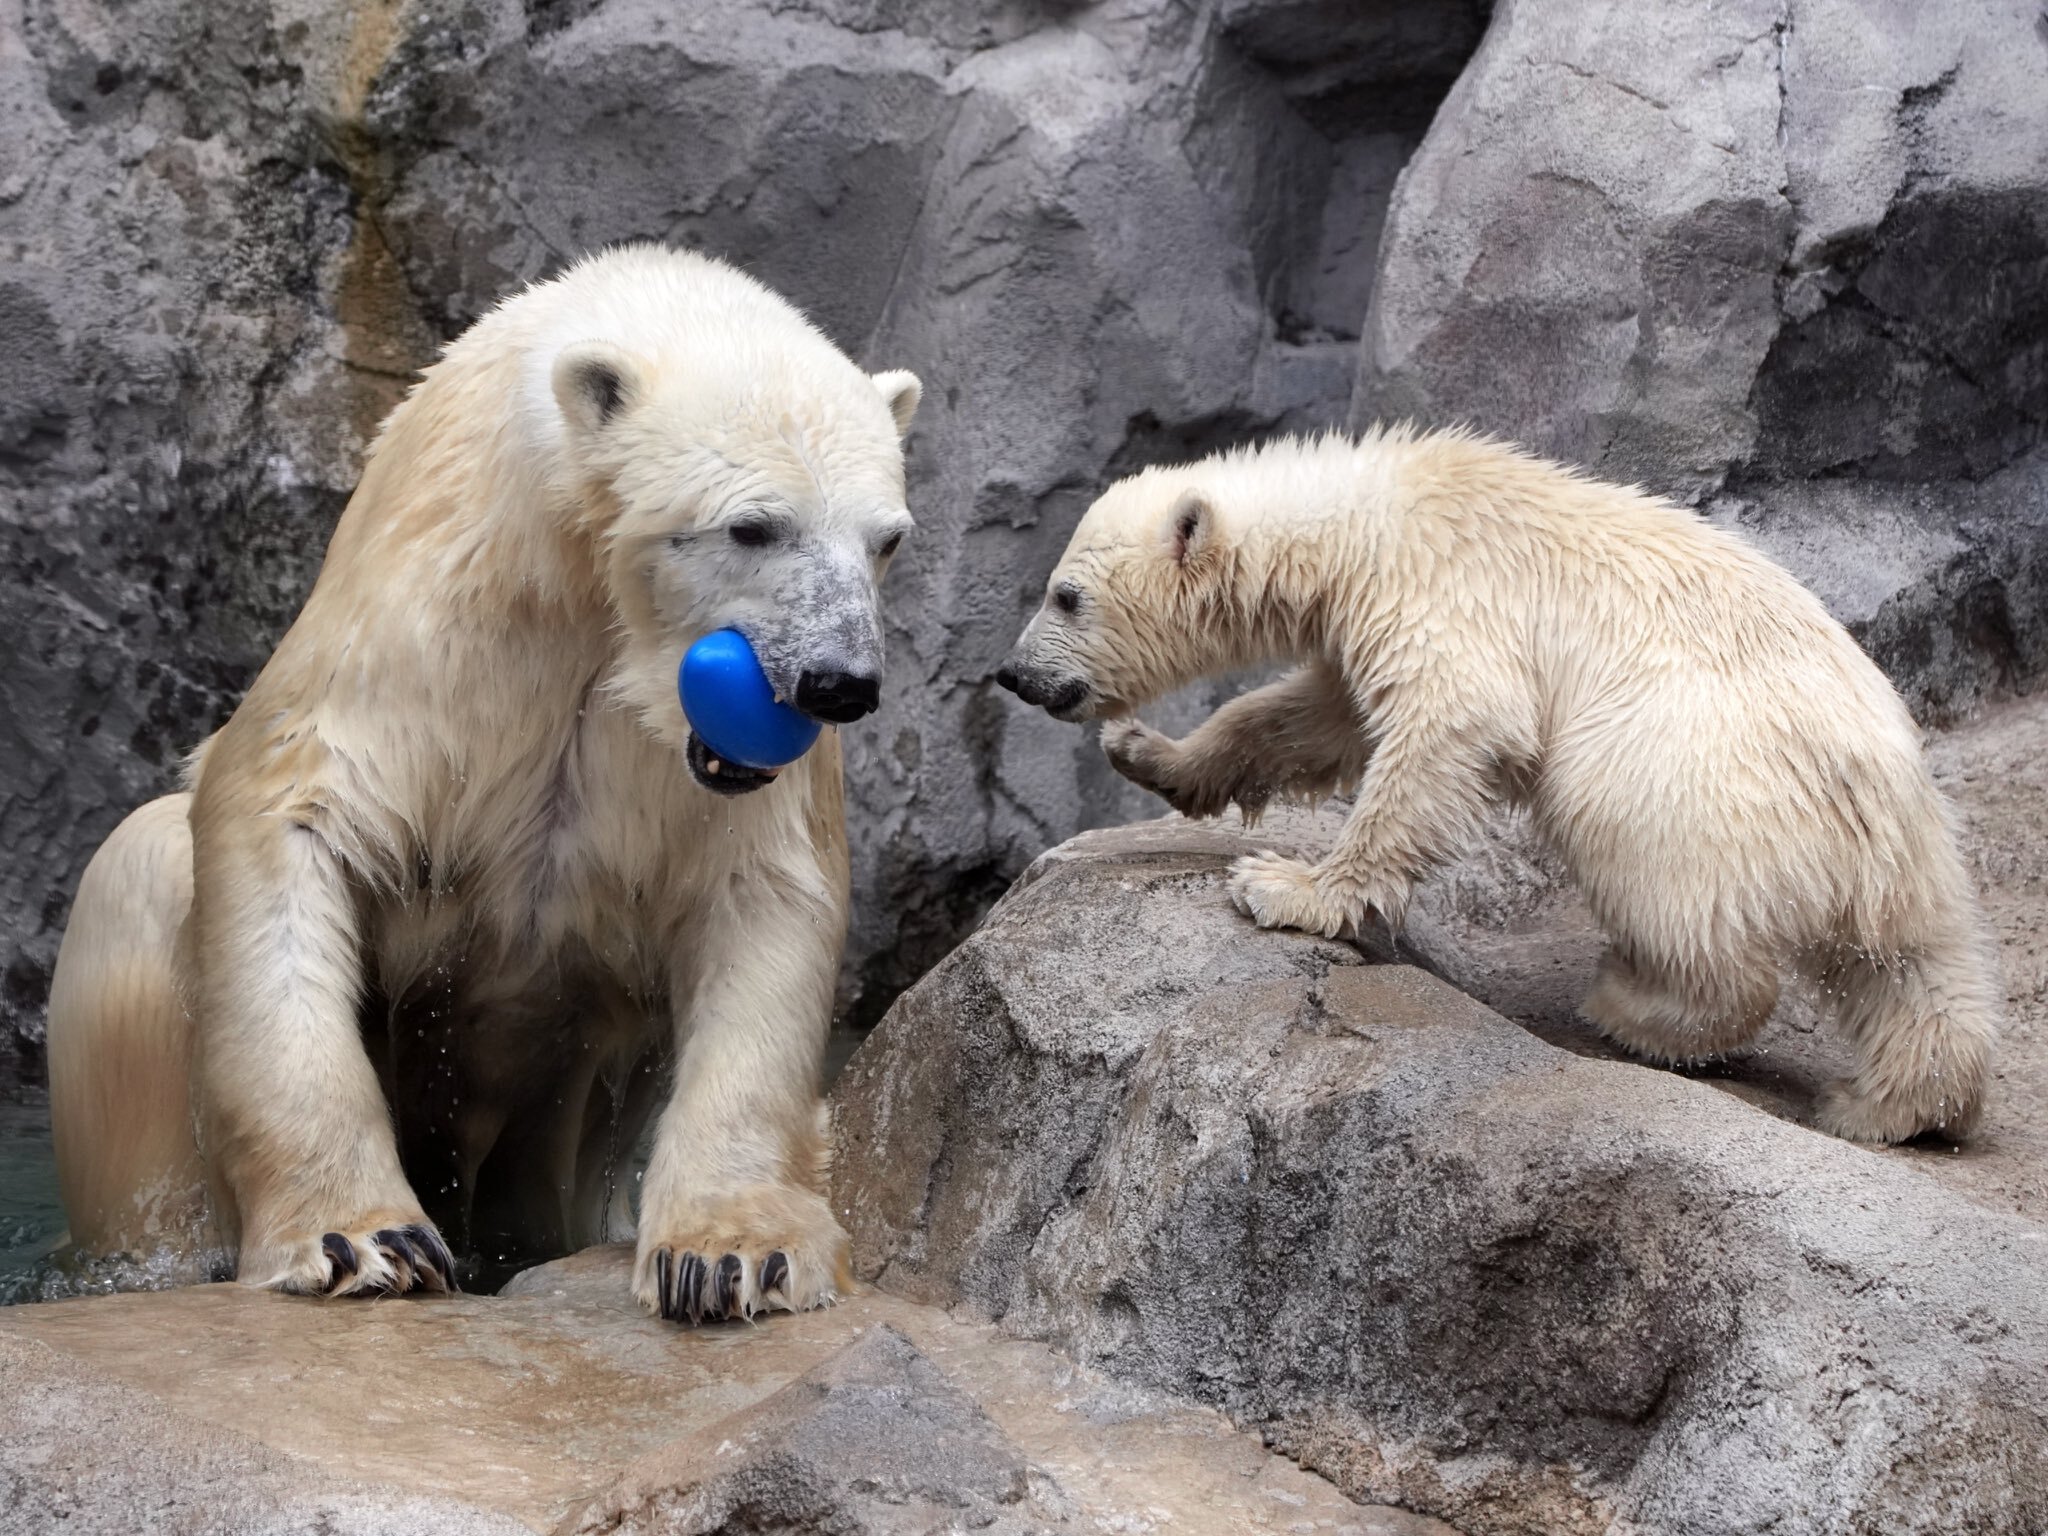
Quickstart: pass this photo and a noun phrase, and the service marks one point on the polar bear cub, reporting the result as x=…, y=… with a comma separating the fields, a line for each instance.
x=1732, y=782
x=457, y=902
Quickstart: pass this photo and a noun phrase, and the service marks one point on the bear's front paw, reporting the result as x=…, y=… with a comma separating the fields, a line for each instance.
x=766, y=1249
x=1275, y=891
x=367, y=1258
x=1140, y=754
x=1166, y=768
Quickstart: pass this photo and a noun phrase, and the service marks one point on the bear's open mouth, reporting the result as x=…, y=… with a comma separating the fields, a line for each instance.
x=720, y=776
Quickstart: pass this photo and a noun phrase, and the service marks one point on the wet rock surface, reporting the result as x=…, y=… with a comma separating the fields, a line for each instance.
x=1785, y=259
x=559, y=1406
x=1432, y=1255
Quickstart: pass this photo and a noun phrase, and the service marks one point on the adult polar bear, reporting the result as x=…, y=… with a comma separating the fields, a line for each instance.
x=1735, y=786
x=452, y=821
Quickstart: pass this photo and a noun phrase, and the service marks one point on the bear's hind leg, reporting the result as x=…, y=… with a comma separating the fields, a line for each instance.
x=1663, y=1016
x=120, y=1051
x=1923, y=1024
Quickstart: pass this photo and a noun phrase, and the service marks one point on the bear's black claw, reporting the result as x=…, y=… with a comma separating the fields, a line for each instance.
x=725, y=1290
x=341, y=1254
x=689, y=1302
x=775, y=1272
x=402, y=1257
x=431, y=1257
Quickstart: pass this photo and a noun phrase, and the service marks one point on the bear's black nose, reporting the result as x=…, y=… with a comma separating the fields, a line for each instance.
x=1006, y=677
x=837, y=698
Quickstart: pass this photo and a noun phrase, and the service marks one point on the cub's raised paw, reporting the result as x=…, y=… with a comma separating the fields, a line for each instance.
x=1166, y=768
x=1140, y=754
x=765, y=1250
x=1275, y=891
x=393, y=1260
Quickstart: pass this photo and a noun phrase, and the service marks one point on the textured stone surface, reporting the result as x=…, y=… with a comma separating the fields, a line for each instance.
x=1426, y=1253
x=875, y=1439
x=179, y=1474
x=559, y=1406
x=1786, y=259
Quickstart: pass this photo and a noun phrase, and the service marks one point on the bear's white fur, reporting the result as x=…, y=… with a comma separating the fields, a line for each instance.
x=452, y=821
x=1733, y=783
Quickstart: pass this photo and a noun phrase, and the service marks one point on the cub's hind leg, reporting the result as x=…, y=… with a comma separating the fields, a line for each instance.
x=1669, y=1014
x=1924, y=1022
x=120, y=1044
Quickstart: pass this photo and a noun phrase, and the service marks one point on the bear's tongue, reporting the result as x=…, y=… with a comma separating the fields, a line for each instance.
x=722, y=777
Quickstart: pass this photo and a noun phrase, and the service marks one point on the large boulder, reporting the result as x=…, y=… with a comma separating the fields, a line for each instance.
x=1425, y=1252
x=1786, y=258
x=560, y=1406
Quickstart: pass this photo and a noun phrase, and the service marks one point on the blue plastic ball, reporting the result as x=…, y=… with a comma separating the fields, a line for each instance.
x=732, y=708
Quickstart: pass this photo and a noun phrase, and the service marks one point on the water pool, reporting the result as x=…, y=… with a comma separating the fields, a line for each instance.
x=32, y=1217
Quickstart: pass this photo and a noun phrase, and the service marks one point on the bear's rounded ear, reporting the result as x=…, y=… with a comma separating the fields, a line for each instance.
x=900, y=391
x=1190, y=527
x=594, y=381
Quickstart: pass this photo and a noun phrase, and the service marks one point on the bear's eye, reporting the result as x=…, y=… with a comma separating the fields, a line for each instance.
x=752, y=533
x=1066, y=597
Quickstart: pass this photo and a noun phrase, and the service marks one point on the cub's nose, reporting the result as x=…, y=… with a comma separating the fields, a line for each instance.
x=1006, y=677
x=838, y=698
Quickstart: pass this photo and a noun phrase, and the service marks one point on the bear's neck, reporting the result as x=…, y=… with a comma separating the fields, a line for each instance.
x=1284, y=577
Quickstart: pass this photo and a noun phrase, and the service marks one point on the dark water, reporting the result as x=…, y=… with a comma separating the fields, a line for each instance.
x=32, y=1218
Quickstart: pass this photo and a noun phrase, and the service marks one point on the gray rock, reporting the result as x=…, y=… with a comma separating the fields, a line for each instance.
x=86, y=1454
x=560, y=1406
x=175, y=433
x=1426, y=1253
x=1784, y=257
x=875, y=1440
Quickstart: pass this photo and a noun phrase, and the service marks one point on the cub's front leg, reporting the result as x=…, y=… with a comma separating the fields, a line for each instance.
x=293, y=1122
x=1427, y=789
x=733, y=1216
x=1298, y=736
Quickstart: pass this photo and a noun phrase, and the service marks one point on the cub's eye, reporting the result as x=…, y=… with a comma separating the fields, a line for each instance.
x=889, y=546
x=751, y=534
x=1066, y=597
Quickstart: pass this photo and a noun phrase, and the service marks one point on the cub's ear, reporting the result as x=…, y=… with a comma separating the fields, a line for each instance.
x=900, y=391
x=1191, y=528
x=594, y=381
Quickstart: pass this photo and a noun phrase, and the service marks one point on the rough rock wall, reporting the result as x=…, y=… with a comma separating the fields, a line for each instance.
x=1105, y=234
x=1787, y=259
